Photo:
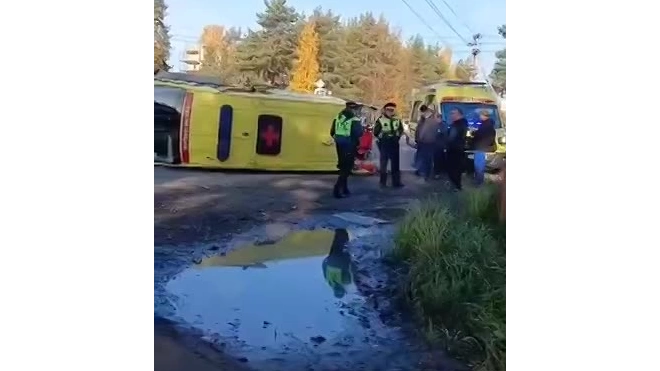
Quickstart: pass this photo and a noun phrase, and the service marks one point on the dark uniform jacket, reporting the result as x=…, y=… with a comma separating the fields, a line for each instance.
x=484, y=137
x=457, y=133
x=393, y=136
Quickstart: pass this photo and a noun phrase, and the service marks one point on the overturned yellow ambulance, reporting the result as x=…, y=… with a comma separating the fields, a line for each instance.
x=199, y=122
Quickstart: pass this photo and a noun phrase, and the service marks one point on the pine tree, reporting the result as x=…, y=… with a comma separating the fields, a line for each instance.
x=359, y=58
x=329, y=29
x=498, y=74
x=161, y=36
x=269, y=52
x=369, y=58
x=306, y=69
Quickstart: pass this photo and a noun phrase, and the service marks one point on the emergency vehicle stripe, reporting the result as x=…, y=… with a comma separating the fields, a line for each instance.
x=184, y=131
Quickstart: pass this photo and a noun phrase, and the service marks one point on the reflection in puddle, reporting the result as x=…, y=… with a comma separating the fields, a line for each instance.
x=337, y=267
x=275, y=295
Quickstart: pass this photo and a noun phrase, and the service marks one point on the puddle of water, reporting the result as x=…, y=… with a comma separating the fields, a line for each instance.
x=293, y=293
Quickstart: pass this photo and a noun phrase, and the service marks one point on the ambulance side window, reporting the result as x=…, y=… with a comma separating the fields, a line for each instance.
x=414, y=114
x=269, y=131
x=225, y=123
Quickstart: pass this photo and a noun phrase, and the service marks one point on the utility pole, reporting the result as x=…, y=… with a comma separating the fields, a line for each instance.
x=475, y=46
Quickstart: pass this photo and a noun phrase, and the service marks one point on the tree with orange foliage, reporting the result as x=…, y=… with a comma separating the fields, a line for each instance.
x=462, y=70
x=306, y=69
x=217, y=49
x=403, y=81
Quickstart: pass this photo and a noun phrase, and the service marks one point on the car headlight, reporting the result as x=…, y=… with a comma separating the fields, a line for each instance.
x=501, y=140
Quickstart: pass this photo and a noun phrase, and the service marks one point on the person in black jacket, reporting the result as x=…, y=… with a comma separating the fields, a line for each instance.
x=420, y=124
x=456, y=147
x=439, y=157
x=483, y=141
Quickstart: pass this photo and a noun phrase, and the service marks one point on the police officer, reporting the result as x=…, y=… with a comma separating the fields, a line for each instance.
x=346, y=130
x=388, y=130
x=337, y=266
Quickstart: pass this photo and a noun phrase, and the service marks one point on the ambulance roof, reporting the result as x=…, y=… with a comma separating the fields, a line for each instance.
x=213, y=84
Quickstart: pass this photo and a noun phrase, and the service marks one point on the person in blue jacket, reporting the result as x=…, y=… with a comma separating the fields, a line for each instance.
x=346, y=131
x=484, y=142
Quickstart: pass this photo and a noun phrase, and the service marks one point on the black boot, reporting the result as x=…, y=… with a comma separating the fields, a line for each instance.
x=344, y=188
x=396, y=181
x=383, y=180
x=336, y=190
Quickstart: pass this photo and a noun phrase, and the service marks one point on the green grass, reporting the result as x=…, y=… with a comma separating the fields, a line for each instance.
x=455, y=281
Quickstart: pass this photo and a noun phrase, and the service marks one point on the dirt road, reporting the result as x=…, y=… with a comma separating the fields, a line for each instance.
x=196, y=213
x=196, y=206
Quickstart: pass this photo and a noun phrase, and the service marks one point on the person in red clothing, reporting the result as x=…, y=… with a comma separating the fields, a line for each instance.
x=365, y=143
x=362, y=163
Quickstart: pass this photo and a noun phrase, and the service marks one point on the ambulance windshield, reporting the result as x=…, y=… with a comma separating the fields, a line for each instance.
x=472, y=112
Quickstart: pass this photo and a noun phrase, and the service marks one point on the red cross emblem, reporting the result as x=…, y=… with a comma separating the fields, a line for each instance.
x=271, y=136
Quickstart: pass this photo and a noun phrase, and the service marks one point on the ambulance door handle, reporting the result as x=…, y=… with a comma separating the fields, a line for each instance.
x=245, y=134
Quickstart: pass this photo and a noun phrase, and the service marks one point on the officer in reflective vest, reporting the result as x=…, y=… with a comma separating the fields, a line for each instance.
x=337, y=266
x=346, y=131
x=388, y=131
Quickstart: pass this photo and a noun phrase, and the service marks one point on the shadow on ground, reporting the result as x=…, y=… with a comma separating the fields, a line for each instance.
x=198, y=207
x=177, y=351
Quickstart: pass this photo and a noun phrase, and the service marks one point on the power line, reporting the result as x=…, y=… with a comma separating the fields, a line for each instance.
x=457, y=17
x=490, y=43
x=486, y=36
x=442, y=39
x=442, y=17
x=184, y=37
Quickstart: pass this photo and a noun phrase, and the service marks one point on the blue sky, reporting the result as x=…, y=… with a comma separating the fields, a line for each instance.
x=186, y=19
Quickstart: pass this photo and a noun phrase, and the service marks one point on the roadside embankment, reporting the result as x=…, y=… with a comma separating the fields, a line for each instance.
x=454, y=280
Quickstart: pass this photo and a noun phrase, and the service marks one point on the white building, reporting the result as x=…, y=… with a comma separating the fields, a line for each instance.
x=192, y=58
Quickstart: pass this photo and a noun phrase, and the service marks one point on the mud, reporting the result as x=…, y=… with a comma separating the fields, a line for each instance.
x=284, y=283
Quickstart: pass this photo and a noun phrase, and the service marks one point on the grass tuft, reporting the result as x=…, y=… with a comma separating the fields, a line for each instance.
x=456, y=275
